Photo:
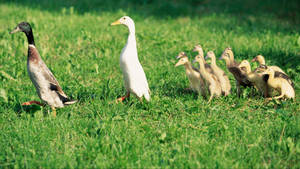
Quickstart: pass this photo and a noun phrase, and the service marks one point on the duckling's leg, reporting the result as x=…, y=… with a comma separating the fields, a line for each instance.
x=238, y=88
x=211, y=91
x=266, y=91
x=33, y=102
x=226, y=93
x=189, y=89
x=210, y=98
x=121, y=99
x=53, y=111
x=280, y=96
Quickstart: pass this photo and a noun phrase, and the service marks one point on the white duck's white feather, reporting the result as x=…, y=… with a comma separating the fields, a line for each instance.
x=135, y=80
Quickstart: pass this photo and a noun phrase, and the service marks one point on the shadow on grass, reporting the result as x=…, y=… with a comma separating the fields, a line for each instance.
x=172, y=90
x=31, y=110
x=282, y=9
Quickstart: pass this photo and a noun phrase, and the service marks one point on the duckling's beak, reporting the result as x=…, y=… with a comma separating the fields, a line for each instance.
x=254, y=59
x=194, y=61
x=115, y=23
x=17, y=29
x=194, y=50
x=178, y=57
x=206, y=57
x=178, y=64
x=221, y=57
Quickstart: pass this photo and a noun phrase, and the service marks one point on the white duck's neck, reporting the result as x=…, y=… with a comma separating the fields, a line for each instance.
x=131, y=37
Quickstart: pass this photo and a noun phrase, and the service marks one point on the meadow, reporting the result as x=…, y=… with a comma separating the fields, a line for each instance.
x=177, y=129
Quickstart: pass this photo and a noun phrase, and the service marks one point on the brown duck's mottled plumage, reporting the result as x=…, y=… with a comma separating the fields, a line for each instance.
x=36, y=63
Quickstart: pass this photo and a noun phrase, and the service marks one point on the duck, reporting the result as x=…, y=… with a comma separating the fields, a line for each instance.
x=282, y=83
x=198, y=48
x=220, y=74
x=261, y=60
x=235, y=70
x=134, y=77
x=255, y=78
x=211, y=80
x=196, y=82
x=46, y=85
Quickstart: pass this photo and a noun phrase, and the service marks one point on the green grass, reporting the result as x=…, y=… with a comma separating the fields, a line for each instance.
x=176, y=129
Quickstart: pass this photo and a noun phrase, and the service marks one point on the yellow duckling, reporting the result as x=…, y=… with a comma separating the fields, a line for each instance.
x=261, y=60
x=255, y=78
x=196, y=82
x=211, y=80
x=220, y=74
x=282, y=84
x=198, y=48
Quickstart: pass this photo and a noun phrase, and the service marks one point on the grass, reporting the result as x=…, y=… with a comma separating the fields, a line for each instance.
x=176, y=129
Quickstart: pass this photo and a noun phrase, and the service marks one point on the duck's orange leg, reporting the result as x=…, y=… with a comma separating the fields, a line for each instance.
x=121, y=99
x=33, y=102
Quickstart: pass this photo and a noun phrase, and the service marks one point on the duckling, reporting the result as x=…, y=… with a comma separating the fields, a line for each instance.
x=282, y=84
x=220, y=74
x=198, y=48
x=47, y=87
x=263, y=68
x=135, y=80
x=196, y=82
x=238, y=73
x=211, y=79
x=255, y=78
x=229, y=52
x=261, y=60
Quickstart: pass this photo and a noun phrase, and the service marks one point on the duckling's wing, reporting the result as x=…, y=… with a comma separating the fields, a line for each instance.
x=239, y=76
x=265, y=77
x=284, y=76
x=208, y=68
x=195, y=69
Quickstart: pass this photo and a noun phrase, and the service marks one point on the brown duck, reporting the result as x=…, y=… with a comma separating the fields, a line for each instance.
x=47, y=87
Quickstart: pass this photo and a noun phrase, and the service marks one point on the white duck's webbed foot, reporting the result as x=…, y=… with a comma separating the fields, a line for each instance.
x=121, y=99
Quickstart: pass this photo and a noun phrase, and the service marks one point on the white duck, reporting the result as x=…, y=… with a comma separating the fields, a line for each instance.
x=135, y=80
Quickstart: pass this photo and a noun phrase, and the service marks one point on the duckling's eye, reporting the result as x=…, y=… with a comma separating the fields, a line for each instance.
x=124, y=18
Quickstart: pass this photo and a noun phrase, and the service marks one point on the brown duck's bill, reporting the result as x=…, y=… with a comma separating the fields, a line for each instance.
x=115, y=23
x=17, y=29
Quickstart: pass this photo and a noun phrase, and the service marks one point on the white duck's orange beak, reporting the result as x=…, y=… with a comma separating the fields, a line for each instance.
x=115, y=23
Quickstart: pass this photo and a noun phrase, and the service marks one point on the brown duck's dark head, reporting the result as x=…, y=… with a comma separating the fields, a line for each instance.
x=26, y=28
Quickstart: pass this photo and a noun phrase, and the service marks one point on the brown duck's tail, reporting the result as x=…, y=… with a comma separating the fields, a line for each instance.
x=68, y=102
